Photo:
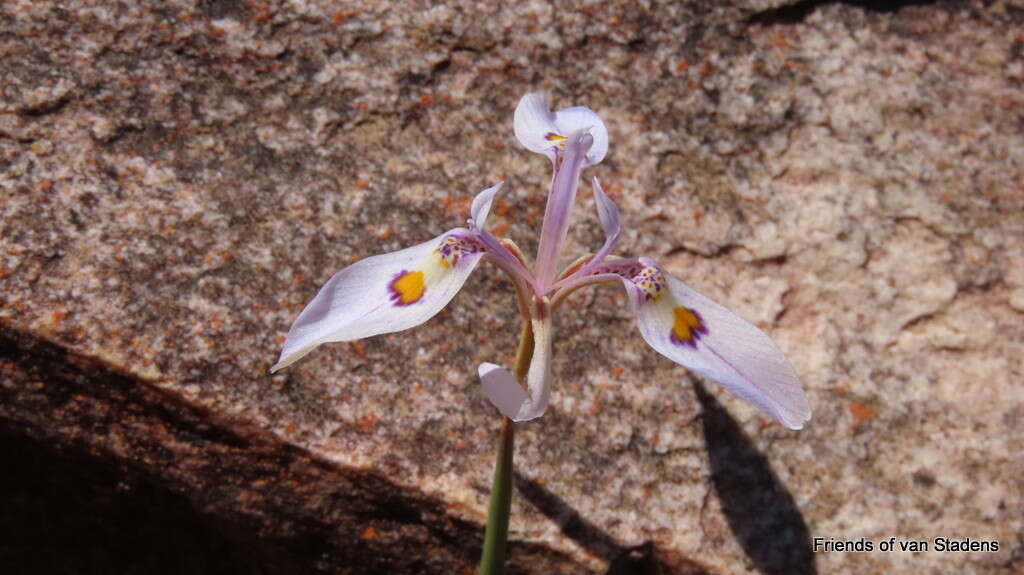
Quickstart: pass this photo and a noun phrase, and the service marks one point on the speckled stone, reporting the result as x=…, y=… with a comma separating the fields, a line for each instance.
x=177, y=180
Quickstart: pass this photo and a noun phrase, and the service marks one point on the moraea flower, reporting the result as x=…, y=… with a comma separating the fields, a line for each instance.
x=396, y=291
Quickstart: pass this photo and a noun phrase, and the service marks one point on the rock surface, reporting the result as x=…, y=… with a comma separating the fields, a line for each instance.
x=178, y=180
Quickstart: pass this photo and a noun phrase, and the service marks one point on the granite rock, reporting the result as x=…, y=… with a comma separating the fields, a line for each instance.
x=178, y=179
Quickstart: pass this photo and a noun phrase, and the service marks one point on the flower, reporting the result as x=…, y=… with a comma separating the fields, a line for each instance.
x=403, y=289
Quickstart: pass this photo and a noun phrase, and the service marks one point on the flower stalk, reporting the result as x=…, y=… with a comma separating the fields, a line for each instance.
x=492, y=559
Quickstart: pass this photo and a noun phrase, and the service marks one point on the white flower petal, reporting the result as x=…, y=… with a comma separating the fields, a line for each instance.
x=533, y=122
x=571, y=120
x=538, y=378
x=705, y=337
x=501, y=389
x=384, y=293
x=482, y=206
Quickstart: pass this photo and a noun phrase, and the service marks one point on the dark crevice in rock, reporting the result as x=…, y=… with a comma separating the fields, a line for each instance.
x=107, y=473
x=797, y=12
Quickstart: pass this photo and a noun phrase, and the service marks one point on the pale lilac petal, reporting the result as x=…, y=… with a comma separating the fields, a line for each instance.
x=708, y=339
x=497, y=253
x=608, y=214
x=607, y=211
x=385, y=293
x=481, y=207
x=577, y=118
x=559, y=208
x=534, y=123
x=501, y=389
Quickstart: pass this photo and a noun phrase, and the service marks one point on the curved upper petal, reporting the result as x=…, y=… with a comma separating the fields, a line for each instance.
x=577, y=118
x=534, y=123
x=705, y=337
x=543, y=131
x=385, y=293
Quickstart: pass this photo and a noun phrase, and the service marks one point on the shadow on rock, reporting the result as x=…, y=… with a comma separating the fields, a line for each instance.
x=643, y=559
x=104, y=472
x=759, y=509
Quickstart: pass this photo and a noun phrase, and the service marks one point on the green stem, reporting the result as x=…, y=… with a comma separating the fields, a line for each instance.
x=495, y=538
x=492, y=561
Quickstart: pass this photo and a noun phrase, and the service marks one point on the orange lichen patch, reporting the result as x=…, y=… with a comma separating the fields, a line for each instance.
x=861, y=412
x=682, y=66
x=358, y=348
x=502, y=208
x=698, y=217
x=341, y=16
x=617, y=370
x=426, y=100
x=595, y=408
x=687, y=327
x=362, y=184
x=369, y=534
x=368, y=422
x=779, y=40
x=407, y=288
x=457, y=205
x=613, y=190
x=57, y=317
x=46, y=185
x=263, y=13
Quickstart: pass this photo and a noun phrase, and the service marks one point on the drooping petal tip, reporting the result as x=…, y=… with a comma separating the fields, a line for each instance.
x=501, y=389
